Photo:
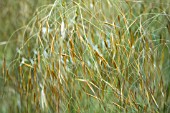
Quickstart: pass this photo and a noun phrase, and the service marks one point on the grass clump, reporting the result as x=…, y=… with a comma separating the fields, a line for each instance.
x=92, y=56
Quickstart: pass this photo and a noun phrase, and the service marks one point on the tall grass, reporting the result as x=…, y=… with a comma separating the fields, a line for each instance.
x=91, y=56
x=14, y=16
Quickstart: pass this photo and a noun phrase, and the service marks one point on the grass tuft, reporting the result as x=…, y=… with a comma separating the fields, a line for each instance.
x=90, y=56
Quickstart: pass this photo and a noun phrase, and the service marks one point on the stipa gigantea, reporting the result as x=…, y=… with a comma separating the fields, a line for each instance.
x=52, y=44
x=53, y=74
x=101, y=58
x=23, y=62
x=80, y=36
x=91, y=88
x=161, y=84
x=155, y=102
x=47, y=27
x=118, y=17
x=89, y=71
x=28, y=65
x=35, y=73
x=131, y=100
x=123, y=55
x=4, y=67
x=141, y=82
x=39, y=59
x=106, y=44
x=131, y=41
x=65, y=57
x=84, y=67
x=40, y=35
x=43, y=99
x=122, y=92
x=147, y=95
x=20, y=71
x=57, y=97
x=119, y=106
x=63, y=29
x=124, y=19
x=72, y=51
